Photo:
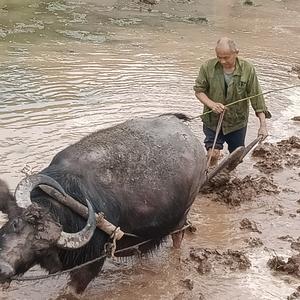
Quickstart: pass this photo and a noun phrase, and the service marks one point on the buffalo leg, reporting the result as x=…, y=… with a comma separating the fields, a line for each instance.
x=177, y=239
x=80, y=278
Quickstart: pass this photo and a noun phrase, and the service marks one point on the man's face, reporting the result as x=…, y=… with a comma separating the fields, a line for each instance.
x=226, y=57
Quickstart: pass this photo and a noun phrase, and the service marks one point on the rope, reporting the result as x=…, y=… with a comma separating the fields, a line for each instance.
x=110, y=247
x=39, y=277
x=247, y=98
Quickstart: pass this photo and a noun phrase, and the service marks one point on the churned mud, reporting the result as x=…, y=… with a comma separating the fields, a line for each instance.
x=291, y=266
x=233, y=190
x=249, y=225
x=273, y=157
x=210, y=259
x=254, y=242
x=296, y=70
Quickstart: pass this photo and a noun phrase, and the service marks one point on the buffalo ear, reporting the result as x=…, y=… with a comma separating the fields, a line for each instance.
x=8, y=204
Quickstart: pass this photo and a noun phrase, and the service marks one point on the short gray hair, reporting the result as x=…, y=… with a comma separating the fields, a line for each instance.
x=226, y=42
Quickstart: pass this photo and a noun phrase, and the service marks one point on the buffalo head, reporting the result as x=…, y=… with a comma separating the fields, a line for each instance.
x=33, y=235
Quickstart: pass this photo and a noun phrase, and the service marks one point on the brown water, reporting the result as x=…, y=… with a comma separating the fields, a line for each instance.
x=71, y=67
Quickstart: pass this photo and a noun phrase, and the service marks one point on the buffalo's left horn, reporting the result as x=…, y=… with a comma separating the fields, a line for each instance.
x=66, y=240
x=26, y=185
x=79, y=239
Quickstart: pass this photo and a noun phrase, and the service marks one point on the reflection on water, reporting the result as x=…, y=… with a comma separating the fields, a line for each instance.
x=68, y=69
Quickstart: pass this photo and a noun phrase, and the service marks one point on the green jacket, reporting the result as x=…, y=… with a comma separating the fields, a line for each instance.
x=244, y=83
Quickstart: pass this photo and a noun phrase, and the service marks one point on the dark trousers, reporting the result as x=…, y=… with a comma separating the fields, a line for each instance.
x=233, y=139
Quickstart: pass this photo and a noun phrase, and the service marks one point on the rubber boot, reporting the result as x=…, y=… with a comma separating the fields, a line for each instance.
x=215, y=155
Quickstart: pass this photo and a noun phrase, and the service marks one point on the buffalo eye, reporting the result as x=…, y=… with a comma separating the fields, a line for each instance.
x=17, y=225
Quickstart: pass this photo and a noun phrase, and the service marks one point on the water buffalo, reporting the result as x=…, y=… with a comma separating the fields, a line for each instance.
x=143, y=175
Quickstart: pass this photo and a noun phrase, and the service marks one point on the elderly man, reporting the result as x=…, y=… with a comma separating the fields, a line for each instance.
x=221, y=81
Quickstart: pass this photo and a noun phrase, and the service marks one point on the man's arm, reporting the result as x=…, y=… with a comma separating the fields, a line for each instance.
x=262, y=131
x=201, y=88
x=258, y=103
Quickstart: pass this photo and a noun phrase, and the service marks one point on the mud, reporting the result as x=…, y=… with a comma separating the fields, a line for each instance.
x=296, y=245
x=273, y=157
x=291, y=266
x=295, y=295
x=233, y=191
x=249, y=225
x=72, y=67
x=254, y=242
x=296, y=70
x=269, y=158
x=209, y=259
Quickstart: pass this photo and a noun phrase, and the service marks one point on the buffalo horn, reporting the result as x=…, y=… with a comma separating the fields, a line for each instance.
x=79, y=239
x=26, y=185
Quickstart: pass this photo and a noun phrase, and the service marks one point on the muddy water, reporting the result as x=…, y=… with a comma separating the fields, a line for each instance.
x=71, y=67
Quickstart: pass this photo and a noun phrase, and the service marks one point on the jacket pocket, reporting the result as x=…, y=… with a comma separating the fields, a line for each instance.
x=241, y=88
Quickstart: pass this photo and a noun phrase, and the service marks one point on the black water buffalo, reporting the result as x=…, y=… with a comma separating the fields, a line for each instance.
x=143, y=175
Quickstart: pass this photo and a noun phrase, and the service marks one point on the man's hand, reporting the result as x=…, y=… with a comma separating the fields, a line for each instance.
x=263, y=132
x=217, y=107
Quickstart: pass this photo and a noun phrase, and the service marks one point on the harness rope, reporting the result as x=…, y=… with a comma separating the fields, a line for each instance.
x=247, y=98
x=136, y=246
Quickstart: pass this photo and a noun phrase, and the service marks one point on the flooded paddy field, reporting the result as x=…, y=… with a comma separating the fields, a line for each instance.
x=69, y=68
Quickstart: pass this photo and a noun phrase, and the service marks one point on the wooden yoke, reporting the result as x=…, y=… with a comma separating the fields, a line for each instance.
x=82, y=210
